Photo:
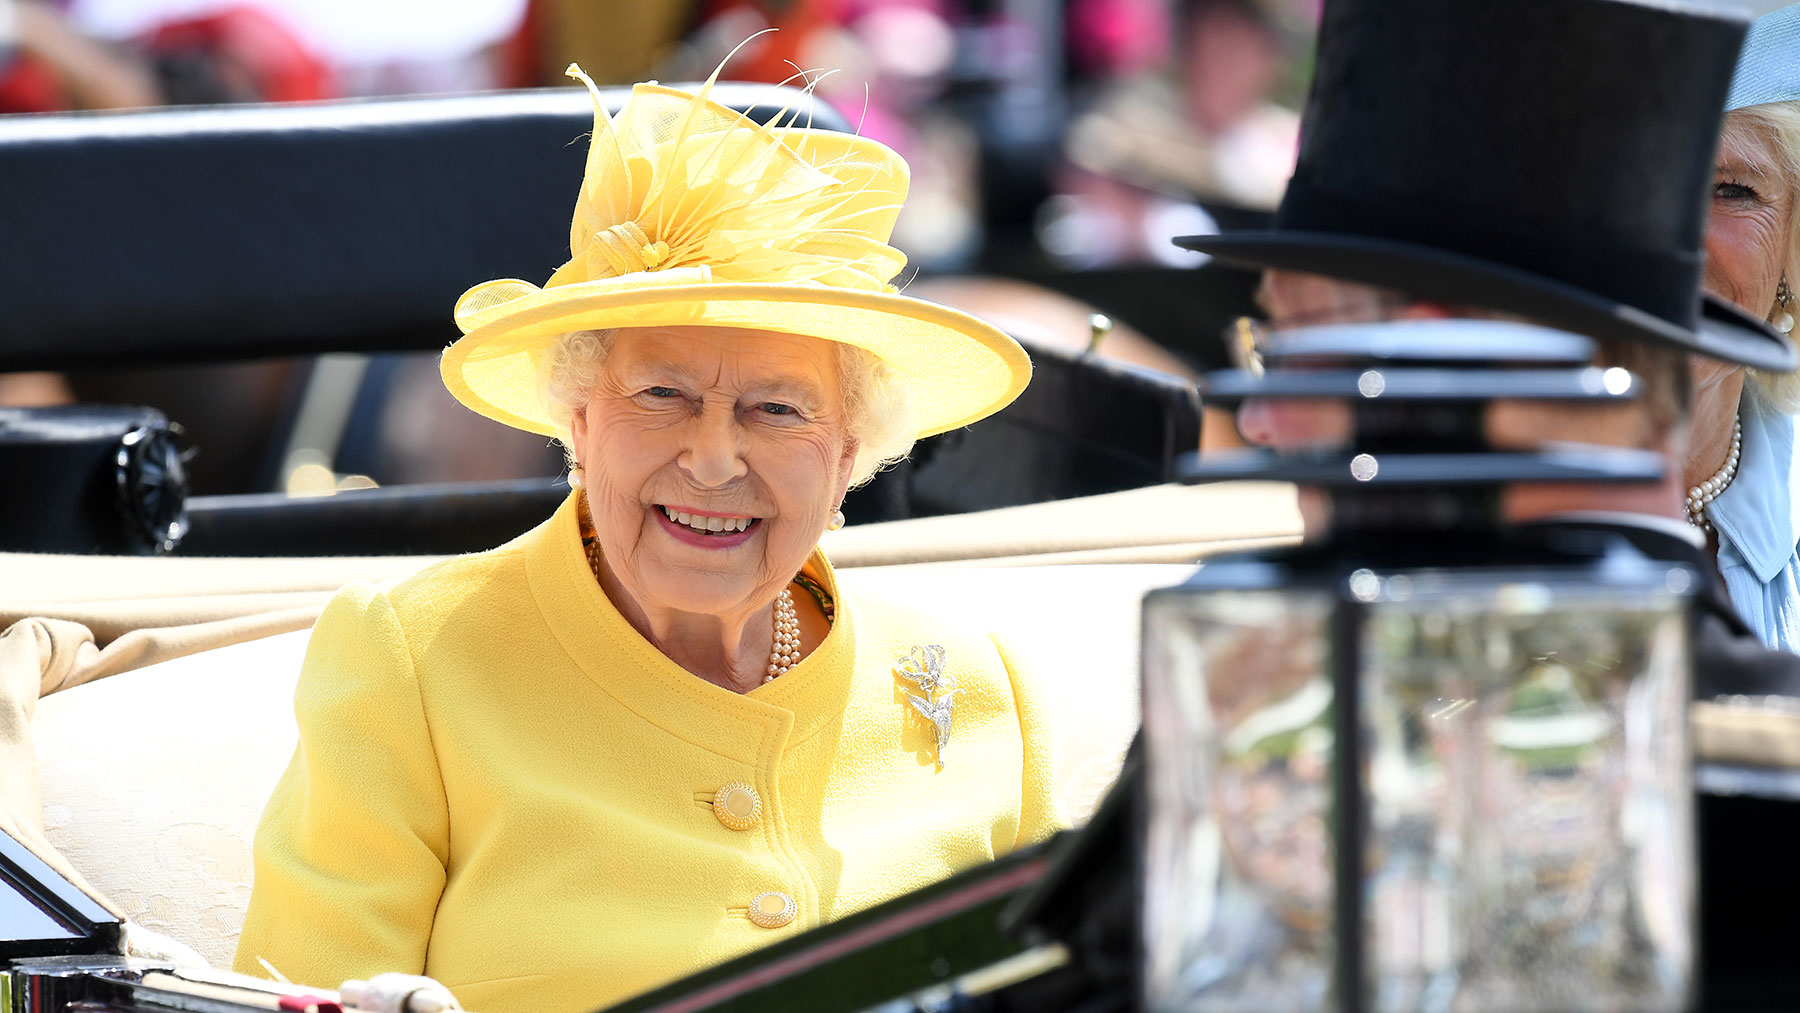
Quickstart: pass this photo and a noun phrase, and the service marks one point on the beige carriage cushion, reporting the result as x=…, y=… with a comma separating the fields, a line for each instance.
x=29, y=652
x=112, y=595
x=1161, y=523
x=153, y=779
x=40, y=657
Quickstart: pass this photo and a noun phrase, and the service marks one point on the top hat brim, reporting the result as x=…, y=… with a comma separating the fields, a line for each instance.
x=1723, y=331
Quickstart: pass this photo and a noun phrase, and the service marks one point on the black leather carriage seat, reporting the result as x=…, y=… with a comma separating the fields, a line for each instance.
x=1084, y=426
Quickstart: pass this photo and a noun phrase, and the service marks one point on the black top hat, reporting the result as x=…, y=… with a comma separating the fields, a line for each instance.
x=1551, y=158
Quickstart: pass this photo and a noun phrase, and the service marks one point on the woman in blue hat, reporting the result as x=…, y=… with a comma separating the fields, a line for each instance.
x=1741, y=468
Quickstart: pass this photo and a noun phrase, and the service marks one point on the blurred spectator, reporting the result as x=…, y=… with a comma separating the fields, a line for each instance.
x=46, y=64
x=615, y=42
x=1118, y=38
x=804, y=29
x=1153, y=149
x=1230, y=57
x=239, y=54
x=390, y=47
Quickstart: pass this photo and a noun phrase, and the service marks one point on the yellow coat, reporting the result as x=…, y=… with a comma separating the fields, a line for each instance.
x=502, y=785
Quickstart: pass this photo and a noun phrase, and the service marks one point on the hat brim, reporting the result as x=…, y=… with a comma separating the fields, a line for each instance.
x=958, y=369
x=1723, y=332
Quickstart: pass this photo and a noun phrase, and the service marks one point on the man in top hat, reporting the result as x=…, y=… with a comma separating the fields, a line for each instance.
x=1543, y=160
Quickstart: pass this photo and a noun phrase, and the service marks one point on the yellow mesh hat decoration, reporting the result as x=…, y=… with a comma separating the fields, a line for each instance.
x=692, y=214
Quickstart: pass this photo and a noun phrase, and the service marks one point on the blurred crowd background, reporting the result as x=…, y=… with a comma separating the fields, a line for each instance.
x=1095, y=129
x=1056, y=146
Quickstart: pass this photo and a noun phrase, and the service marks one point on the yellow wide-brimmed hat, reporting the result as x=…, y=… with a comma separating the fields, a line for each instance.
x=692, y=214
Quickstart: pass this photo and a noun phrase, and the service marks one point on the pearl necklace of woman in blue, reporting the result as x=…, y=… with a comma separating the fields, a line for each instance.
x=1699, y=496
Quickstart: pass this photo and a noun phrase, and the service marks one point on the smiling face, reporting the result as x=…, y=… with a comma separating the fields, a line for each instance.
x=714, y=458
x=1749, y=233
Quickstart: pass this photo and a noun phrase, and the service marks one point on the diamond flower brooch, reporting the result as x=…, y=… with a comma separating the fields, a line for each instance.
x=923, y=666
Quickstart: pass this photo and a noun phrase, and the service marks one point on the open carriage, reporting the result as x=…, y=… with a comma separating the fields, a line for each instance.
x=227, y=235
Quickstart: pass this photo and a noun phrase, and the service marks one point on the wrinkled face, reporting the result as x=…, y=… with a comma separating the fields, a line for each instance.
x=1748, y=233
x=714, y=458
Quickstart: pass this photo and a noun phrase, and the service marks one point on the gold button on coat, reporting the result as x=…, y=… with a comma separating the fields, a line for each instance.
x=772, y=909
x=737, y=805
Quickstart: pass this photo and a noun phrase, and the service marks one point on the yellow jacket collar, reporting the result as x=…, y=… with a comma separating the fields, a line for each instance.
x=589, y=627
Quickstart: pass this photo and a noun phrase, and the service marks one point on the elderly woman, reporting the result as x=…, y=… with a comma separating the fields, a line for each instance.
x=653, y=732
x=1744, y=486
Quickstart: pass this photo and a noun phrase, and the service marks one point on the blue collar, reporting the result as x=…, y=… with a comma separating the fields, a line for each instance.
x=1758, y=514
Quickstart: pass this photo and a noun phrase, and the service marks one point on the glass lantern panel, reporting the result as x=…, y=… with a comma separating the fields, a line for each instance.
x=1530, y=826
x=1525, y=767
x=1238, y=733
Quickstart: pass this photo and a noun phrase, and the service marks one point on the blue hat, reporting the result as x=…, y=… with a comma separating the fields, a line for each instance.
x=1768, y=69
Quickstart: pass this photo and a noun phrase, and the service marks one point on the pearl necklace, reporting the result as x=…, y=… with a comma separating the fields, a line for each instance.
x=1699, y=496
x=785, y=654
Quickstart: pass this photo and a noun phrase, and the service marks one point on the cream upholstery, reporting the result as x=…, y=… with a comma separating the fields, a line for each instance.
x=153, y=781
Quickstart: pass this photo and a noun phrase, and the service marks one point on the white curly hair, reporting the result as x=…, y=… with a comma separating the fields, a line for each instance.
x=878, y=408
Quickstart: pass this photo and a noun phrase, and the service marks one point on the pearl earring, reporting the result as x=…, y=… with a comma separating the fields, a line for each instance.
x=1784, y=297
x=837, y=520
x=577, y=478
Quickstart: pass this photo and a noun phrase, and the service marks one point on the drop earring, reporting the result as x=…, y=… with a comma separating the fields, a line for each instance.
x=837, y=520
x=577, y=478
x=1784, y=297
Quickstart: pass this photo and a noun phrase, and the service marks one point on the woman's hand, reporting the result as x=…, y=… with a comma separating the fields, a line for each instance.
x=398, y=993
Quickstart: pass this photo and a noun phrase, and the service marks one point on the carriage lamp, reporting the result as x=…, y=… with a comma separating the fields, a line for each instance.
x=1431, y=763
